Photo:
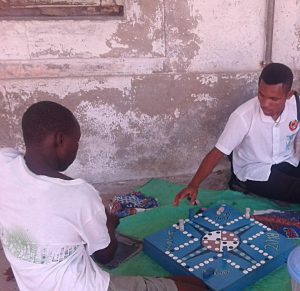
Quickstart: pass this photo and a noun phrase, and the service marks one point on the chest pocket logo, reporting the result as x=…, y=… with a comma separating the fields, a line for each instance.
x=293, y=125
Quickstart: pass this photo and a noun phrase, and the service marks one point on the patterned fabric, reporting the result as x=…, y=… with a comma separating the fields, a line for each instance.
x=131, y=203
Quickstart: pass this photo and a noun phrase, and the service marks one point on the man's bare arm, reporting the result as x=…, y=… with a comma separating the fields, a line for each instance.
x=210, y=161
x=106, y=255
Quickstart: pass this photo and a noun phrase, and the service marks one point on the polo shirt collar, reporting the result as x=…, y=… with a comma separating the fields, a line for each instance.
x=269, y=119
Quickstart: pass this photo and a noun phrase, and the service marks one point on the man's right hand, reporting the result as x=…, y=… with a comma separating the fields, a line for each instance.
x=9, y=275
x=207, y=165
x=112, y=220
x=188, y=192
x=105, y=255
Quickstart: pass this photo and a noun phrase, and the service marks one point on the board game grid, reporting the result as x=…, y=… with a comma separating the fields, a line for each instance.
x=220, y=246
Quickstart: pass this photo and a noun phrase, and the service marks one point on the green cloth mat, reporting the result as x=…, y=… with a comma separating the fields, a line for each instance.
x=145, y=223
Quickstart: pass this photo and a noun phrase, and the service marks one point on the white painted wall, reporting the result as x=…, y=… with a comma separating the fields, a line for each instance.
x=152, y=90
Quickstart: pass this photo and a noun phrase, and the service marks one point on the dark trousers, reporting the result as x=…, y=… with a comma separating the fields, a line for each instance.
x=283, y=184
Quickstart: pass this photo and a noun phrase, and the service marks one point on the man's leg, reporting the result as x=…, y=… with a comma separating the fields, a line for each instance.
x=139, y=283
x=234, y=183
x=185, y=283
x=283, y=184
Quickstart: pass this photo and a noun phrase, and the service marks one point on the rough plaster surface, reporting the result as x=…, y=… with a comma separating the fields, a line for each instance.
x=152, y=90
x=139, y=33
x=287, y=33
x=143, y=126
x=215, y=36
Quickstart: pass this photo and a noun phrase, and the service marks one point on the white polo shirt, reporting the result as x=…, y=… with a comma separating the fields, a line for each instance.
x=257, y=141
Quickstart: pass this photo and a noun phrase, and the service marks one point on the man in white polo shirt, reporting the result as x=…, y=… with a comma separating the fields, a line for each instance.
x=262, y=135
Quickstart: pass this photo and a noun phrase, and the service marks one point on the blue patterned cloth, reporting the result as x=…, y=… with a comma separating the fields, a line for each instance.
x=131, y=203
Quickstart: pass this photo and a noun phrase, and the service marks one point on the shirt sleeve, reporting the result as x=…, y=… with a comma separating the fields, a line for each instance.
x=93, y=230
x=233, y=134
x=96, y=233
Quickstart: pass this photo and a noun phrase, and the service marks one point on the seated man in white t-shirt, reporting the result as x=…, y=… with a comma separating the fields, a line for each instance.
x=262, y=136
x=51, y=224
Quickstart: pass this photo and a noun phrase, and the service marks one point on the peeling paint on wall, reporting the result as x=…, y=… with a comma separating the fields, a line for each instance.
x=152, y=90
x=182, y=41
x=141, y=31
x=133, y=127
x=204, y=97
x=210, y=80
x=227, y=28
x=112, y=137
x=176, y=113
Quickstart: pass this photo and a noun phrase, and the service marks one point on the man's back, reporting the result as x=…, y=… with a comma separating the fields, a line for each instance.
x=49, y=227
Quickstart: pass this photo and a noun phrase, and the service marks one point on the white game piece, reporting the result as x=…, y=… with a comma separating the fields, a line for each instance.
x=220, y=210
x=247, y=213
x=181, y=225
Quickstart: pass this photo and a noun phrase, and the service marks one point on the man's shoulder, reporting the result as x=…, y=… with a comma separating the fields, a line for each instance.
x=8, y=154
x=248, y=107
x=291, y=103
x=83, y=190
x=77, y=185
x=78, y=193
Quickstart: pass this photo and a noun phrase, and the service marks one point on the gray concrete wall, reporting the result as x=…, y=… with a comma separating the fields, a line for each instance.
x=152, y=90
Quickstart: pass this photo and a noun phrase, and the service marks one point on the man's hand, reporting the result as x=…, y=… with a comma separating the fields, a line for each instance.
x=104, y=256
x=112, y=220
x=207, y=165
x=9, y=275
x=188, y=192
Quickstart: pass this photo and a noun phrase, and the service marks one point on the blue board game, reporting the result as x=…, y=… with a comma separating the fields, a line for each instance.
x=221, y=246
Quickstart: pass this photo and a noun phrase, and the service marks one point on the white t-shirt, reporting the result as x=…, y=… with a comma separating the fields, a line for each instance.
x=257, y=141
x=49, y=228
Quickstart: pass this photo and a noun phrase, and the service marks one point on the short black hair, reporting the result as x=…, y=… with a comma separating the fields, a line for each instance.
x=276, y=73
x=45, y=117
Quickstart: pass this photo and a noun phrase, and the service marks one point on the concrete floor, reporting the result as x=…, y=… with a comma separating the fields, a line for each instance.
x=216, y=181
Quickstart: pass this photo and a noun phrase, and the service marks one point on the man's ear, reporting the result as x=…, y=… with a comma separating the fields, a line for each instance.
x=58, y=138
x=290, y=94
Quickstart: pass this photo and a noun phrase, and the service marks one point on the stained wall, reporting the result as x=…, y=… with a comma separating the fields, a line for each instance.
x=152, y=90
